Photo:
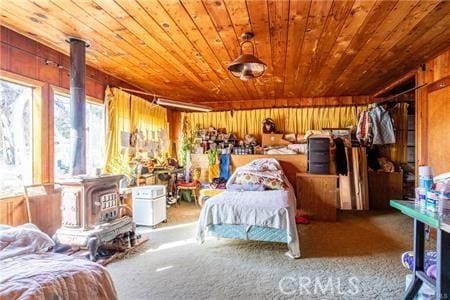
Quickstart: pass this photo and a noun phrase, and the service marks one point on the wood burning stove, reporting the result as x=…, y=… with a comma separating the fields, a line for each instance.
x=91, y=213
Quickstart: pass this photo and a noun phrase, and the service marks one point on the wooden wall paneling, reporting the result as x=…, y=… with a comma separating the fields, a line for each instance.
x=240, y=19
x=202, y=31
x=110, y=57
x=438, y=127
x=173, y=40
x=46, y=210
x=278, y=28
x=431, y=109
x=384, y=187
x=354, y=21
x=316, y=21
x=420, y=11
x=13, y=211
x=440, y=66
x=25, y=63
x=112, y=54
x=177, y=24
x=298, y=18
x=317, y=195
x=260, y=22
x=312, y=48
x=46, y=73
x=4, y=63
x=438, y=84
x=331, y=30
x=12, y=40
x=359, y=42
x=175, y=15
x=169, y=59
x=392, y=15
x=220, y=21
x=427, y=32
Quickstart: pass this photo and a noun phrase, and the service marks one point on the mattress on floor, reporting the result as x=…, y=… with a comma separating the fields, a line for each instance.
x=255, y=233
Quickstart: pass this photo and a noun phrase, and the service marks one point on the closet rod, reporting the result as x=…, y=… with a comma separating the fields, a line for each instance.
x=388, y=99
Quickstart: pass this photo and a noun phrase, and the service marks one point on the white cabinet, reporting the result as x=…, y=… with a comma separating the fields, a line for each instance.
x=149, y=205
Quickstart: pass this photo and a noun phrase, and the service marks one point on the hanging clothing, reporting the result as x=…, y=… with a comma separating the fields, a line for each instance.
x=341, y=159
x=364, y=129
x=382, y=127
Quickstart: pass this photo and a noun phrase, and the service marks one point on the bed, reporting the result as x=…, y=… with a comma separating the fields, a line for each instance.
x=29, y=271
x=251, y=213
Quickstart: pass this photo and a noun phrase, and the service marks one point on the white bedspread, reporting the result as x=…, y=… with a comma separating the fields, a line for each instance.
x=53, y=276
x=275, y=208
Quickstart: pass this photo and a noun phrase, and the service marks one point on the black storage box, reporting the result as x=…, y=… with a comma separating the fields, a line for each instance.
x=318, y=155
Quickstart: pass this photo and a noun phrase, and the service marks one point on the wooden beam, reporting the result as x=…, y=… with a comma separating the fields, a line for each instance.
x=410, y=75
x=439, y=84
x=289, y=102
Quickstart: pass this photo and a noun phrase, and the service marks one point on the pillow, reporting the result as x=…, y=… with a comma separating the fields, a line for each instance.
x=247, y=178
x=266, y=182
x=264, y=164
x=23, y=239
x=274, y=184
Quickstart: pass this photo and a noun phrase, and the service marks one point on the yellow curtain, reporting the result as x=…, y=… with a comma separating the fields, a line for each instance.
x=126, y=114
x=147, y=117
x=288, y=120
x=118, y=121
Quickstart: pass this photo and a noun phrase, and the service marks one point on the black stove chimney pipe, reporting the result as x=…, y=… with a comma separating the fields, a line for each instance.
x=78, y=105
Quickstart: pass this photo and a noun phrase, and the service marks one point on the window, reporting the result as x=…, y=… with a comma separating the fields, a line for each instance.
x=16, y=166
x=95, y=135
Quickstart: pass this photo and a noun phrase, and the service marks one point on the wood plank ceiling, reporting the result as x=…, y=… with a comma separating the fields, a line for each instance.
x=181, y=48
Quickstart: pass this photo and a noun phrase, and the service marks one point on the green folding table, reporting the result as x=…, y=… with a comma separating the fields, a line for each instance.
x=422, y=218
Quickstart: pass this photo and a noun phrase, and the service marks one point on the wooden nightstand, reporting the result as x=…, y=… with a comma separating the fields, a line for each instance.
x=317, y=195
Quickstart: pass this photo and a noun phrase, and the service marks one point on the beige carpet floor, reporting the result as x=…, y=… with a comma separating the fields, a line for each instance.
x=357, y=257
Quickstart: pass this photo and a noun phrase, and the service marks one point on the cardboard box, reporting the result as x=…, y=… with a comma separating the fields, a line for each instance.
x=273, y=139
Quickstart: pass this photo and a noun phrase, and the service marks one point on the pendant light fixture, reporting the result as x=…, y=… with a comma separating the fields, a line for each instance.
x=247, y=66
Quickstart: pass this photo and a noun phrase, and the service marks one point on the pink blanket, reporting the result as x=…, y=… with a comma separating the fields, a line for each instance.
x=53, y=276
x=28, y=271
